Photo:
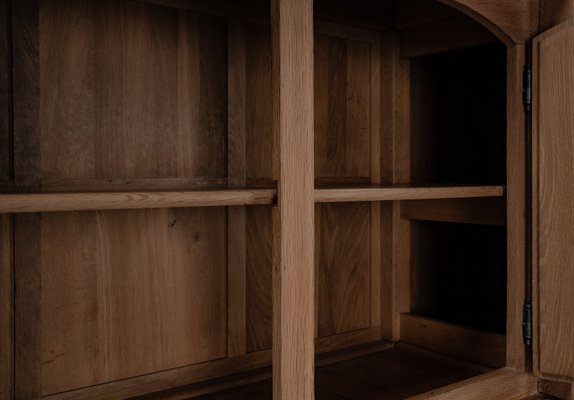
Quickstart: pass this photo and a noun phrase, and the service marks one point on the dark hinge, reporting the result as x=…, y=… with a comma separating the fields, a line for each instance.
x=527, y=88
x=527, y=323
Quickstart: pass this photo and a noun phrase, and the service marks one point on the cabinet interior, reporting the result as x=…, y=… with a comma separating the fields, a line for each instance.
x=177, y=97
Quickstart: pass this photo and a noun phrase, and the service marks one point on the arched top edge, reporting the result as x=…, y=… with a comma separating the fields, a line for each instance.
x=512, y=21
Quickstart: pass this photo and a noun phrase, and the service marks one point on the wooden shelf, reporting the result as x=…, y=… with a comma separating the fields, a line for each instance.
x=403, y=192
x=91, y=201
x=477, y=211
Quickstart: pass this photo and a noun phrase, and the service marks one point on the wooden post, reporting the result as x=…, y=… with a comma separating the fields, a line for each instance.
x=293, y=274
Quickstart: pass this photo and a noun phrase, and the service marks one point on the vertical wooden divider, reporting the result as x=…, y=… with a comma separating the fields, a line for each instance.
x=6, y=221
x=375, y=125
x=27, y=228
x=236, y=170
x=6, y=308
x=293, y=272
x=515, y=197
x=395, y=167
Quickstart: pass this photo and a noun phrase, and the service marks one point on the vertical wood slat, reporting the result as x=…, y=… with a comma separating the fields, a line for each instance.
x=236, y=216
x=293, y=280
x=6, y=221
x=26, y=125
x=375, y=145
x=6, y=308
x=515, y=192
x=395, y=168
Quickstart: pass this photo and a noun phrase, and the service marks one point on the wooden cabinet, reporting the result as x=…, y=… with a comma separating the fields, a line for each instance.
x=354, y=193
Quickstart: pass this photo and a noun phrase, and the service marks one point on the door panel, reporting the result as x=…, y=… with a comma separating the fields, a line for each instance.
x=553, y=202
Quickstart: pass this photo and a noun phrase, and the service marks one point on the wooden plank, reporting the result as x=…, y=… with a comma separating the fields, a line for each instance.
x=513, y=22
x=516, y=209
x=53, y=202
x=481, y=211
x=553, y=169
x=345, y=269
x=27, y=173
x=448, y=34
x=164, y=380
x=404, y=192
x=6, y=307
x=6, y=162
x=554, y=12
x=375, y=156
x=94, y=261
x=469, y=344
x=260, y=141
x=402, y=173
x=502, y=384
x=127, y=67
x=560, y=390
x=236, y=172
x=293, y=283
x=259, y=278
x=389, y=59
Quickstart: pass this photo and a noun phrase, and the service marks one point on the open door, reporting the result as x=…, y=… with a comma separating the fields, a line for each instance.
x=553, y=210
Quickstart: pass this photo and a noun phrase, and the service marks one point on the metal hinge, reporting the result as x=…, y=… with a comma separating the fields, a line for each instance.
x=527, y=88
x=527, y=323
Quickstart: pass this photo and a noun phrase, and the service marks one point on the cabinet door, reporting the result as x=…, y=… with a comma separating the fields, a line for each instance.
x=553, y=209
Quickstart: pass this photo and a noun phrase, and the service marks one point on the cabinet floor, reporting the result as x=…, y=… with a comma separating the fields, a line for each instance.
x=394, y=374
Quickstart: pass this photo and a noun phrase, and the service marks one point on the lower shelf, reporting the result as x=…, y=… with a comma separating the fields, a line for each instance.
x=397, y=373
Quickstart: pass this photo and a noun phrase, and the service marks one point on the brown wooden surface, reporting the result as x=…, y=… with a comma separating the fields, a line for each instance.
x=448, y=34
x=6, y=307
x=553, y=12
x=344, y=269
x=559, y=390
x=111, y=57
x=552, y=208
x=482, y=211
x=516, y=208
x=512, y=21
x=388, y=375
x=404, y=192
x=237, y=176
x=293, y=279
x=114, y=262
x=50, y=202
x=502, y=384
x=468, y=344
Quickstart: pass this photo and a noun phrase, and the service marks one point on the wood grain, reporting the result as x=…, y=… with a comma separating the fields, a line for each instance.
x=131, y=67
x=405, y=192
x=51, y=202
x=6, y=162
x=512, y=22
x=468, y=344
x=103, y=294
x=293, y=283
x=237, y=176
x=552, y=207
x=502, y=384
x=259, y=279
x=560, y=390
x=554, y=12
x=481, y=211
x=345, y=269
x=6, y=307
x=516, y=209
x=260, y=141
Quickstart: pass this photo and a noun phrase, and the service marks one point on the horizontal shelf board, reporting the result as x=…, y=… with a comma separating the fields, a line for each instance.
x=92, y=201
x=476, y=211
x=404, y=192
